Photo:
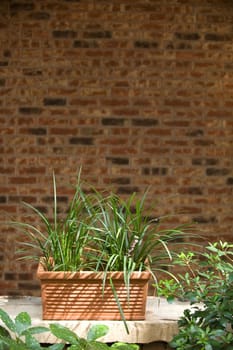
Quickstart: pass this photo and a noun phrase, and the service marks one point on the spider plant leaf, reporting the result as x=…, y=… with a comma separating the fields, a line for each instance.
x=119, y=305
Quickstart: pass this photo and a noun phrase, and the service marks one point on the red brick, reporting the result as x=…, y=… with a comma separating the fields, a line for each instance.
x=137, y=93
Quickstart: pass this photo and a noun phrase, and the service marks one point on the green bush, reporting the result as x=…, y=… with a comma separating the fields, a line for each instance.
x=208, y=283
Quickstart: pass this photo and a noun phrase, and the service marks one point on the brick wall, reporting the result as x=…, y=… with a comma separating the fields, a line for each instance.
x=137, y=92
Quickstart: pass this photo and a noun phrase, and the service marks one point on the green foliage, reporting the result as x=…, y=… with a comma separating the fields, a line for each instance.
x=209, y=327
x=18, y=334
x=101, y=233
x=123, y=346
x=60, y=241
x=23, y=332
x=90, y=343
x=202, y=273
x=126, y=239
x=209, y=281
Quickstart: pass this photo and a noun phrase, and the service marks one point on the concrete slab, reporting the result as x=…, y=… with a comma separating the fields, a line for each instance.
x=160, y=323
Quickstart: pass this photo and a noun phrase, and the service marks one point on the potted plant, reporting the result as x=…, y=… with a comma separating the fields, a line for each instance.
x=96, y=262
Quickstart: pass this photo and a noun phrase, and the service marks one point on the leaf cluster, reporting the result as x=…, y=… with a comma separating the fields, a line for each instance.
x=202, y=273
x=208, y=327
x=19, y=334
x=209, y=281
x=100, y=233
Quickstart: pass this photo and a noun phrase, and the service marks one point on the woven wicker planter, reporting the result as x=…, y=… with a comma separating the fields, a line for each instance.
x=79, y=295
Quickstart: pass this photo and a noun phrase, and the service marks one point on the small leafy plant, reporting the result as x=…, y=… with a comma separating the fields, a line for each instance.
x=208, y=281
x=91, y=342
x=23, y=333
x=209, y=327
x=18, y=334
x=203, y=273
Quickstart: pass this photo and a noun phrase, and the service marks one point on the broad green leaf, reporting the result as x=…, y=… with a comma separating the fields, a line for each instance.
x=124, y=346
x=5, y=343
x=22, y=322
x=4, y=332
x=64, y=333
x=76, y=347
x=56, y=347
x=95, y=345
x=97, y=331
x=12, y=344
x=208, y=347
x=7, y=320
x=36, y=330
x=31, y=342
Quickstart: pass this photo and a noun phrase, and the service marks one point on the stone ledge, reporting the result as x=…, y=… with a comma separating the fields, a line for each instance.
x=160, y=324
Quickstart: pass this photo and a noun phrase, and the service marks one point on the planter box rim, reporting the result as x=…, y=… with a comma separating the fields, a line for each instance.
x=44, y=274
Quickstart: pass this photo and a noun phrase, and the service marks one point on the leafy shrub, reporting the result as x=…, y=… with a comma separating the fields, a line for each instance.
x=19, y=334
x=208, y=280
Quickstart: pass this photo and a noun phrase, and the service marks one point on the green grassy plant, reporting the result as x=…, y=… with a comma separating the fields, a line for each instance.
x=61, y=241
x=126, y=239
x=100, y=233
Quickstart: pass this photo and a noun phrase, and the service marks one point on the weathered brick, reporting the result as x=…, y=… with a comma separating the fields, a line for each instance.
x=81, y=141
x=195, y=133
x=85, y=44
x=119, y=160
x=22, y=180
x=144, y=122
x=2, y=82
x=205, y=219
x=154, y=171
x=32, y=71
x=37, y=131
x=205, y=161
x=30, y=286
x=113, y=121
x=205, y=142
x=3, y=199
x=40, y=16
x=230, y=181
x=64, y=34
x=146, y=44
x=187, y=36
x=217, y=37
x=10, y=276
x=97, y=35
x=118, y=181
x=49, y=199
x=30, y=110
x=50, y=101
x=217, y=171
x=26, y=276
x=4, y=63
x=191, y=190
x=127, y=190
x=17, y=6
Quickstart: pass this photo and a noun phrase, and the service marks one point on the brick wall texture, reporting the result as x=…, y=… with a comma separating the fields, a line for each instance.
x=137, y=92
